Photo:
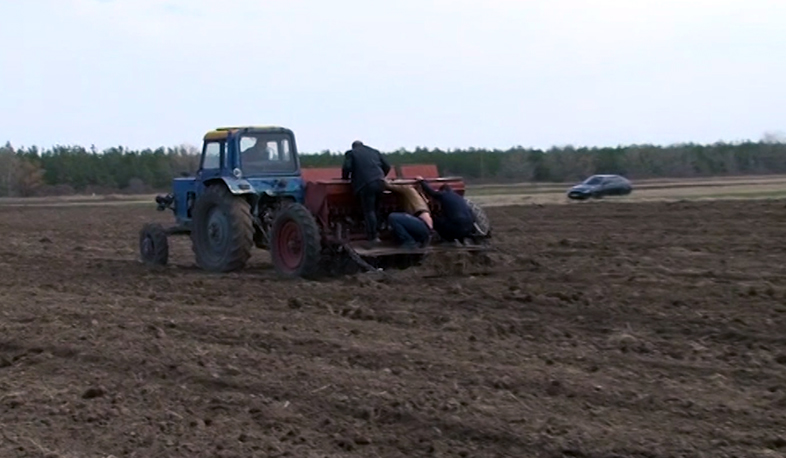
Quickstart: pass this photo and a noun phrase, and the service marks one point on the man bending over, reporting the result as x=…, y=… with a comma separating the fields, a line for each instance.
x=456, y=222
x=413, y=226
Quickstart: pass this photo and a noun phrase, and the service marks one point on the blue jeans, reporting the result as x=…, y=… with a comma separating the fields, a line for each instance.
x=408, y=229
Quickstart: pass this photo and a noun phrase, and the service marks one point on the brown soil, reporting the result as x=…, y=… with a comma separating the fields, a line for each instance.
x=598, y=330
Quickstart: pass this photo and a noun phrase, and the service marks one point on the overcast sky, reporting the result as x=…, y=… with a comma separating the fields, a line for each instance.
x=394, y=73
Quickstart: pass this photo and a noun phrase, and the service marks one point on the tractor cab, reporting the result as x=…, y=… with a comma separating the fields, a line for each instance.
x=251, y=152
x=257, y=162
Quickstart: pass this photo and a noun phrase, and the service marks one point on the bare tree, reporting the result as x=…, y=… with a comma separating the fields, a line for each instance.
x=8, y=165
x=773, y=138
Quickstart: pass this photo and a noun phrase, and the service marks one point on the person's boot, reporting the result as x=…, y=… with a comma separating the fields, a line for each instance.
x=410, y=245
x=425, y=243
x=375, y=242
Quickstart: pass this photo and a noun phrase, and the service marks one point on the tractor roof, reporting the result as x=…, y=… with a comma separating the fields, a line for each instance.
x=221, y=133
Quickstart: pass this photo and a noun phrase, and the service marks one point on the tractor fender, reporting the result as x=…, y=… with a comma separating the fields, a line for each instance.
x=236, y=186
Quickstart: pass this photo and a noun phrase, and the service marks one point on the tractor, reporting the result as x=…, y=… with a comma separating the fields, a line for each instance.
x=250, y=191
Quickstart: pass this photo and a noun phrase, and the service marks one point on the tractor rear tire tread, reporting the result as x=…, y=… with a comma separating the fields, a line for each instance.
x=241, y=228
x=311, y=265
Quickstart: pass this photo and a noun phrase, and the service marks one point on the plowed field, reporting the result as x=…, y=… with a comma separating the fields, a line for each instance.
x=598, y=330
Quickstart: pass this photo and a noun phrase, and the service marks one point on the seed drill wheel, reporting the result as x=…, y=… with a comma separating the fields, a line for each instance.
x=153, y=244
x=482, y=223
x=223, y=232
x=295, y=243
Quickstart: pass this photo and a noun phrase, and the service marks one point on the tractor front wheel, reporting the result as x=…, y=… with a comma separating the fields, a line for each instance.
x=223, y=231
x=153, y=244
x=296, y=244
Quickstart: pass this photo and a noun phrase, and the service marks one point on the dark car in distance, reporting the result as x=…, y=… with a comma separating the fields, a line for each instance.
x=598, y=186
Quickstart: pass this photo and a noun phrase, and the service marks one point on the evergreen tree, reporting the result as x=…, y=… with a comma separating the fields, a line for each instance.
x=67, y=169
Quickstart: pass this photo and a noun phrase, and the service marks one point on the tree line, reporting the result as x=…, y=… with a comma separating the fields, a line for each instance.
x=64, y=170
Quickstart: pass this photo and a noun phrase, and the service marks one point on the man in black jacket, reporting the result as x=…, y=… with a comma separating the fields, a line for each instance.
x=367, y=168
x=456, y=221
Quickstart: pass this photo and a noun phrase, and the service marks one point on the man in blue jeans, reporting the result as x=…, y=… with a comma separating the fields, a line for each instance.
x=411, y=231
x=413, y=226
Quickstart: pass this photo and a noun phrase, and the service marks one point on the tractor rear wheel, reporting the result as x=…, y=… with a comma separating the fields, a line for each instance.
x=295, y=243
x=482, y=223
x=153, y=244
x=223, y=231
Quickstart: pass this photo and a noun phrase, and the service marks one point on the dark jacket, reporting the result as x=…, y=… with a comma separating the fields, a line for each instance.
x=363, y=165
x=454, y=207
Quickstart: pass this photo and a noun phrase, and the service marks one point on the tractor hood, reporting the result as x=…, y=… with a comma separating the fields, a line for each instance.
x=292, y=186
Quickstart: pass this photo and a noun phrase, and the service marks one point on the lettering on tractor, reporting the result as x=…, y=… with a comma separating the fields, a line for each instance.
x=250, y=191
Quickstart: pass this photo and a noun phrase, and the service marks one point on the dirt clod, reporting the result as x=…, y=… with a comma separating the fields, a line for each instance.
x=554, y=388
x=93, y=392
x=295, y=303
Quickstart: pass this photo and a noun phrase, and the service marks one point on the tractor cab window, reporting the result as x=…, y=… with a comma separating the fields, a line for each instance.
x=212, y=156
x=265, y=153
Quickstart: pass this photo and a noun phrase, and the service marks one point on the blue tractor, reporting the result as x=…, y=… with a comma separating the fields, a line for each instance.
x=245, y=175
x=250, y=191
